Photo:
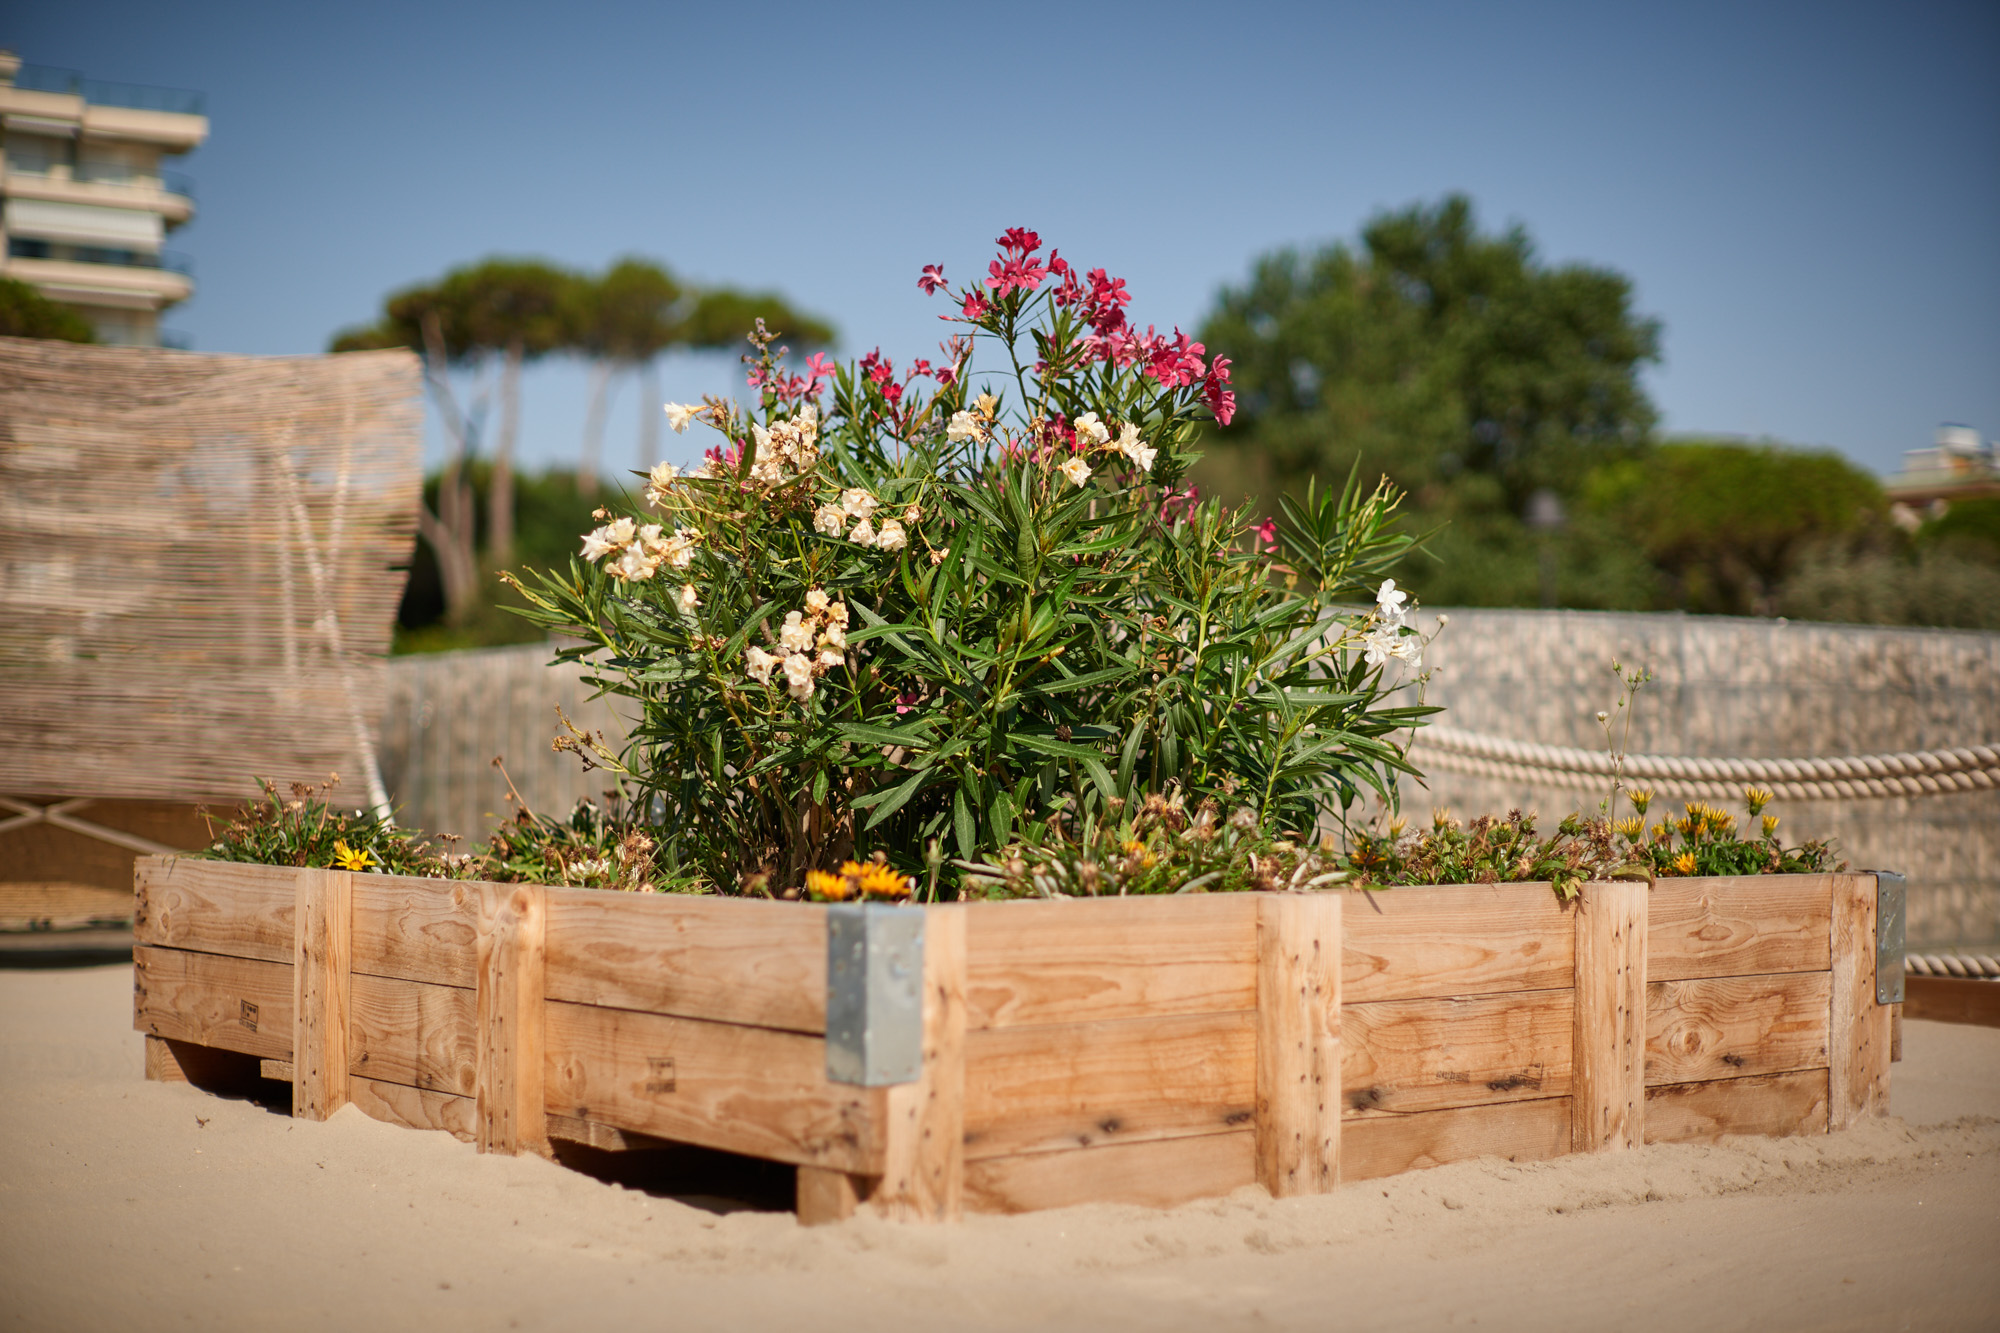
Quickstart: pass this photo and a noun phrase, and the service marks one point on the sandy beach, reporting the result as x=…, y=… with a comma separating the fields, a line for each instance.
x=133, y=1205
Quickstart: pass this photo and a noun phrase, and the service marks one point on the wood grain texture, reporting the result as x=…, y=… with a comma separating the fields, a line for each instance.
x=411, y=1033
x=415, y=1108
x=1298, y=1057
x=278, y=1071
x=170, y=1061
x=1793, y=1103
x=1858, y=1035
x=1731, y=1027
x=1608, y=1079
x=824, y=1196
x=1459, y=939
x=509, y=1075
x=324, y=921
x=728, y=960
x=236, y=1004
x=924, y=1123
x=1109, y=958
x=1074, y=1085
x=751, y=1090
x=1399, y=1056
x=416, y=929
x=604, y=1138
x=1387, y=1145
x=1159, y=1174
x=1745, y=925
x=1952, y=1000
x=243, y=911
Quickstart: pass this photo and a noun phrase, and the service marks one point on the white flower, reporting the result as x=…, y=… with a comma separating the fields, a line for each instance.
x=660, y=484
x=678, y=550
x=591, y=868
x=679, y=414
x=837, y=613
x=911, y=513
x=690, y=599
x=816, y=601
x=1076, y=470
x=863, y=534
x=1090, y=432
x=830, y=657
x=965, y=426
x=620, y=532
x=1389, y=600
x=892, y=537
x=757, y=664
x=833, y=636
x=1130, y=445
x=829, y=519
x=799, y=676
x=1409, y=648
x=598, y=544
x=987, y=404
x=796, y=635
x=858, y=503
x=1380, y=644
x=634, y=564
x=1443, y=620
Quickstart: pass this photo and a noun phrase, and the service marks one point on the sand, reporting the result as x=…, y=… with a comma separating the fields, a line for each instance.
x=134, y=1205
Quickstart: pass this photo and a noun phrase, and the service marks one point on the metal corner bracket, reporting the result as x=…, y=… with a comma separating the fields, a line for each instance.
x=1891, y=902
x=874, y=994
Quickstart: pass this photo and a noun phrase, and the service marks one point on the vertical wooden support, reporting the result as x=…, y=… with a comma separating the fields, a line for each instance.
x=923, y=1123
x=1609, y=1082
x=1859, y=1038
x=323, y=930
x=826, y=1195
x=1298, y=1042
x=510, y=1110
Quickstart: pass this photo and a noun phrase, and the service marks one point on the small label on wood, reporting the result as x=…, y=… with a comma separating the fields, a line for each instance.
x=659, y=1073
x=248, y=1015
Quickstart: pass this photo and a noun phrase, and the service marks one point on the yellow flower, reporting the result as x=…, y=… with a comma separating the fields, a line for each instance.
x=348, y=858
x=1632, y=830
x=1770, y=825
x=822, y=887
x=878, y=881
x=1685, y=863
x=1756, y=798
x=1641, y=798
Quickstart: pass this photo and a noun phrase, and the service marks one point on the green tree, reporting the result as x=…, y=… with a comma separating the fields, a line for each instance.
x=26, y=313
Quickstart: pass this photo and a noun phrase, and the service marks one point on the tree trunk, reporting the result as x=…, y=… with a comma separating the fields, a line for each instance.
x=593, y=428
x=650, y=411
x=500, y=498
x=450, y=530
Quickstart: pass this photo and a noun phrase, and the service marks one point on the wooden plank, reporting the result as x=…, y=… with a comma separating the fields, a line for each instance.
x=416, y=929
x=1298, y=1061
x=415, y=1108
x=604, y=1138
x=243, y=911
x=1456, y=939
x=1399, y=1056
x=923, y=1123
x=750, y=1090
x=408, y=1032
x=1159, y=1174
x=320, y=977
x=1073, y=1085
x=1952, y=1000
x=1109, y=958
x=729, y=960
x=278, y=1071
x=1858, y=1037
x=1387, y=1145
x=1793, y=1103
x=170, y=1061
x=237, y=1004
x=1731, y=1027
x=1608, y=1079
x=510, y=1070
x=825, y=1196
x=1746, y=925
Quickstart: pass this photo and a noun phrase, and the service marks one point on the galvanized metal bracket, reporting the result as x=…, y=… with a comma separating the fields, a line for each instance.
x=874, y=994
x=1890, y=904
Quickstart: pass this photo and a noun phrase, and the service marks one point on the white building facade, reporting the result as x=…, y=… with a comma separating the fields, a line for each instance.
x=85, y=203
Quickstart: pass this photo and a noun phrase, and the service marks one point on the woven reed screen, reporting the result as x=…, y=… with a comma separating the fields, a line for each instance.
x=199, y=565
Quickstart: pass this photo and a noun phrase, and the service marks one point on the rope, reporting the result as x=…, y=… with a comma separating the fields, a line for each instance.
x=1976, y=966
x=1857, y=777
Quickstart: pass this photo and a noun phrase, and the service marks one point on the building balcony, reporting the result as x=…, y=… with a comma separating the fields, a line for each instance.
x=64, y=274
x=63, y=100
x=168, y=193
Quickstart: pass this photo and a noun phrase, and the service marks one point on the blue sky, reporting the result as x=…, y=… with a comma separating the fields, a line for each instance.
x=1807, y=196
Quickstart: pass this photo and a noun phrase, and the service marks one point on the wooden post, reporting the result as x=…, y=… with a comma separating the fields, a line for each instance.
x=1298, y=1042
x=323, y=931
x=826, y=1195
x=1608, y=1107
x=511, y=1114
x=923, y=1177
x=1858, y=1039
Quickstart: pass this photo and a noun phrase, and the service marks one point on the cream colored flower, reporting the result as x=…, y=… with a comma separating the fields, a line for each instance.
x=1134, y=448
x=911, y=514
x=799, y=676
x=796, y=635
x=987, y=404
x=1090, y=432
x=1076, y=470
x=858, y=503
x=816, y=601
x=757, y=664
x=965, y=426
x=863, y=534
x=690, y=599
x=830, y=657
x=634, y=565
x=621, y=532
x=829, y=519
x=660, y=484
x=833, y=636
x=892, y=537
x=678, y=550
x=679, y=414
x=836, y=614
x=597, y=544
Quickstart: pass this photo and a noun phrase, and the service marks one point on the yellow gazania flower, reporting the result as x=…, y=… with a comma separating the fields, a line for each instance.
x=349, y=858
x=879, y=881
x=1684, y=863
x=1632, y=830
x=823, y=887
x=1770, y=825
x=1756, y=798
x=1641, y=797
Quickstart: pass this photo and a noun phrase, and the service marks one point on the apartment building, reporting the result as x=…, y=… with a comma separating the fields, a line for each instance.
x=85, y=205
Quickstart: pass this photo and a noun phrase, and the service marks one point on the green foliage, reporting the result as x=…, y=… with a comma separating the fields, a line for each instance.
x=26, y=313
x=1940, y=585
x=1703, y=841
x=1492, y=851
x=307, y=831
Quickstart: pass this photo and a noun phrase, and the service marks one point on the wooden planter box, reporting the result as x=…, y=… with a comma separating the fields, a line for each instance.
x=1145, y=1050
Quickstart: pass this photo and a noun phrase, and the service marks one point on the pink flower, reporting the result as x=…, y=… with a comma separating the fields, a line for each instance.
x=821, y=370
x=1018, y=242
x=932, y=279
x=1179, y=503
x=907, y=702
x=1267, y=534
x=878, y=367
x=1221, y=398
x=1024, y=272
x=973, y=306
